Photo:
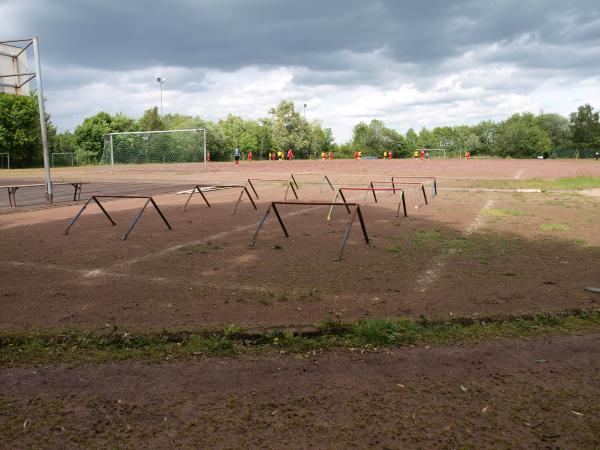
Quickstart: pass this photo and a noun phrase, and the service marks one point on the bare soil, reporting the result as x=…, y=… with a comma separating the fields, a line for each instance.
x=504, y=394
x=461, y=255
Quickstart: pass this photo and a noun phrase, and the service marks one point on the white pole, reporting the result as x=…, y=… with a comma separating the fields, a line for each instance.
x=44, y=131
x=205, y=161
x=112, y=155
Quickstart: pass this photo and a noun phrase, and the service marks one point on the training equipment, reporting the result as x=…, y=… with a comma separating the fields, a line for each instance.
x=323, y=176
x=357, y=211
x=62, y=159
x=393, y=183
x=215, y=187
x=340, y=192
x=290, y=182
x=407, y=177
x=143, y=147
x=135, y=220
x=4, y=161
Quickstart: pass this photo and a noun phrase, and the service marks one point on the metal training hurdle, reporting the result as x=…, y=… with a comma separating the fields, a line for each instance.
x=347, y=229
x=323, y=180
x=434, y=179
x=340, y=193
x=403, y=183
x=198, y=188
x=135, y=220
x=290, y=184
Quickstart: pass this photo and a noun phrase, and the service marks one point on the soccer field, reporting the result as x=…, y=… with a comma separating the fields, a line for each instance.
x=502, y=242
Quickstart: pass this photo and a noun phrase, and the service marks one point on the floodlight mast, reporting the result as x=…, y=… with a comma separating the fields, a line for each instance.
x=40, y=94
x=38, y=74
x=161, y=81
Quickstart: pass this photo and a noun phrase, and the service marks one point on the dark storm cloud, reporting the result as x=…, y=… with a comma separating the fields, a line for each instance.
x=227, y=35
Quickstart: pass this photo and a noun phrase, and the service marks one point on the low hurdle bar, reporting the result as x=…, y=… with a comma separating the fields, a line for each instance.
x=325, y=178
x=198, y=188
x=290, y=183
x=340, y=193
x=135, y=220
x=393, y=183
x=347, y=229
x=434, y=179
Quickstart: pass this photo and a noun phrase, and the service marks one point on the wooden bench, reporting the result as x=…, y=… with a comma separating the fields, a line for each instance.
x=12, y=190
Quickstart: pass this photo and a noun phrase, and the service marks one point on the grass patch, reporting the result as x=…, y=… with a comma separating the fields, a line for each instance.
x=113, y=344
x=198, y=248
x=504, y=212
x=435, y=239
x=554, y=227
x=572, y=183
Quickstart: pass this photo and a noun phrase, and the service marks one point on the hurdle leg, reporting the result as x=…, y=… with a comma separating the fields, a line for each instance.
x=252, y=187
x=77, y=216
x=332, y=206
x=294, y=180
x=102, y=208
x=424, y=194
x=250, y=197
x=259, y=226
x=135, y=221
x=238, y=201
x=160, y=213
x=280, y=221
x=362, y=224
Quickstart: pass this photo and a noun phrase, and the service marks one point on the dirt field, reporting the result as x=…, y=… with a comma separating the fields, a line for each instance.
x=467, y=253
x=470, y=252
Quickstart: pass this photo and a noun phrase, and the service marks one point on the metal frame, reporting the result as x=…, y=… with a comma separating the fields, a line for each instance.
x=422, y=178
x=243, y=187
x=290, y=183
x=33, y=42
x=393, y=183
x=135, y=220
x=325, y=178
x=347, y=229
x=112, y=155
x=340, y=193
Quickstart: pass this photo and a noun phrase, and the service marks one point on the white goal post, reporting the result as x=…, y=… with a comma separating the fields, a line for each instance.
x=146, y=147
x=67, y=156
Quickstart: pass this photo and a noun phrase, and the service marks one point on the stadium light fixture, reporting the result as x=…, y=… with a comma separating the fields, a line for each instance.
x=161, y=81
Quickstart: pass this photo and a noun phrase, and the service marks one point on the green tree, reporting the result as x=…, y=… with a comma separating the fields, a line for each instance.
x=89, y=136
x=411, y=140
x=151, y=121
x=290, y=130
x=558, y=130
x=20, y=129
x=585, y=126
x=519, y=136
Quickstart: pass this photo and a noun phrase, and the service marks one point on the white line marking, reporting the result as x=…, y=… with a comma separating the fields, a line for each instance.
x=433, y=273
x=518, y=175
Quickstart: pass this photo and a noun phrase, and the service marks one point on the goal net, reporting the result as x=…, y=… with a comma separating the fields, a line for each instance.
x=146, y=147
x=62, y=159
x=442, y=153
x=4, y=161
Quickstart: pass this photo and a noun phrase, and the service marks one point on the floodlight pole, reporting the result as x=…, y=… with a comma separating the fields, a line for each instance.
x=204, y=144
x=44, y=131
x=161, y=81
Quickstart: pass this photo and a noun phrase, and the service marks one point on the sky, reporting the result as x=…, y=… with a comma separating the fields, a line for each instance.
x=410, y=64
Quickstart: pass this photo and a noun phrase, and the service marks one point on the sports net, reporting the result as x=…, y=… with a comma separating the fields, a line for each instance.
x=62, y=159
x=176, y=146
x=4, y=161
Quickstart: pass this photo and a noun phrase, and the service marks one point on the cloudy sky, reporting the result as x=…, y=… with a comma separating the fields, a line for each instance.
x=408, y=63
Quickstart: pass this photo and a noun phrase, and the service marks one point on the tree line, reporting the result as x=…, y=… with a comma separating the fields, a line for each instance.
x=522, y=135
